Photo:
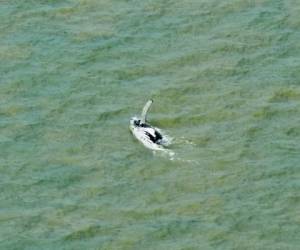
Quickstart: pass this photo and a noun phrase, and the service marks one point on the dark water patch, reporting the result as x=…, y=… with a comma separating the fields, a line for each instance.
x=177, y=121
x=104, y=116
x=285, y=95
x=180, y=93
x=294, y=131
x=253, y=131
x=92, y=231
x=266, y=112
x=172, y=229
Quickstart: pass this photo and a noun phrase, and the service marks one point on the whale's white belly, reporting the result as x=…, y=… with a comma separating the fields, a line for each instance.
x=140, y=134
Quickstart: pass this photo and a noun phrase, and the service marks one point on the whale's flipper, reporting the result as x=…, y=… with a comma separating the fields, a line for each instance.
x=145, y=110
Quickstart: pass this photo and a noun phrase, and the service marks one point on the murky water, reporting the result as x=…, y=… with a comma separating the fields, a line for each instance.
x=225, y=80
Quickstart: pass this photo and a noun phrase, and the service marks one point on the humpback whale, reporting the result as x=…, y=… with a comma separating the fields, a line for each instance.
x=150, y=136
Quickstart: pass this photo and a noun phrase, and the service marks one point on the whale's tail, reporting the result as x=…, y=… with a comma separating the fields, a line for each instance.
x=145, y=110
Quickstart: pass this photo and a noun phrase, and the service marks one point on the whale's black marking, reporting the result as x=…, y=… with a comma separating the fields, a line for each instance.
x=156, y=139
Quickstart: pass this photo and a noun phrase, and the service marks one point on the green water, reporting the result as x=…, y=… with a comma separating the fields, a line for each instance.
x=225, y=79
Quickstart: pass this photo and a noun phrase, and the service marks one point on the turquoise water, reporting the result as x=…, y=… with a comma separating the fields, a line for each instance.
x=225, y=80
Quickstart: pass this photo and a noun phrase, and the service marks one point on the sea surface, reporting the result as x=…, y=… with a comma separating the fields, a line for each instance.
x=225, y=80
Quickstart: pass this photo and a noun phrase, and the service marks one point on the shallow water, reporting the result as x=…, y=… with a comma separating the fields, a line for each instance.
x=224, y=76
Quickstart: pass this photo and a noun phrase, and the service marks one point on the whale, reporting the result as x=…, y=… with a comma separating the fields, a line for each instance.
x=150, y=136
